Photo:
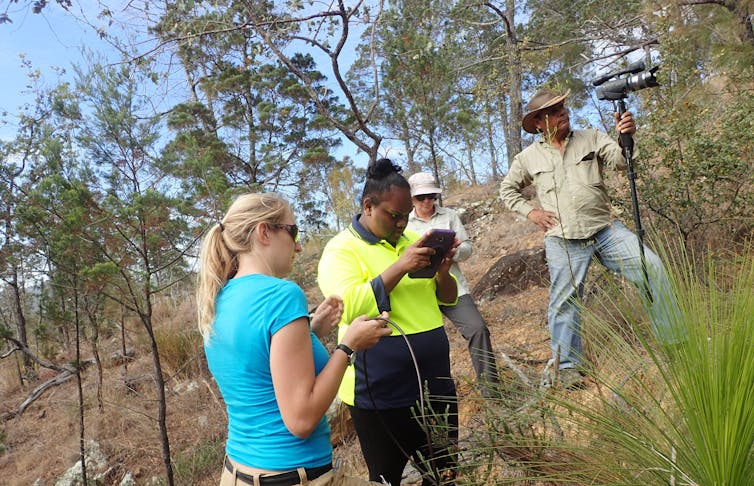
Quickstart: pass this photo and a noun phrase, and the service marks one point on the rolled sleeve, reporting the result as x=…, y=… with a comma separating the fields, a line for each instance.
x=510, y=188
x=609, y=151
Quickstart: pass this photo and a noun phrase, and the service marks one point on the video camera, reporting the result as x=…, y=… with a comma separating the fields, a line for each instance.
x=618, y=89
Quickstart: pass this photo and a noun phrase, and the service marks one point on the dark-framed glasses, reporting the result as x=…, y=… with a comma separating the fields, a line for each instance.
x=291, y=229
x=422, y=197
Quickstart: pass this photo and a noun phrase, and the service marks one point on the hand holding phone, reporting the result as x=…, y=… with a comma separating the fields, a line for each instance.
x=440, y=240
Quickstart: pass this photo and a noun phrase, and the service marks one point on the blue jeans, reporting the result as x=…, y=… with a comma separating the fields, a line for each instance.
x=617, y=248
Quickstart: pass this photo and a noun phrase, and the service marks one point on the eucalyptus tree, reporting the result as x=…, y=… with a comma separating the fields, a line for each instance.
x=140, y=226
x=418, y=58
x=253, y=121
x=329, y=33
x=495, y=69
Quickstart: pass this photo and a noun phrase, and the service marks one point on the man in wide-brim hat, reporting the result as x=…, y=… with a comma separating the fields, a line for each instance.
x=544, y=102
x=565, y=167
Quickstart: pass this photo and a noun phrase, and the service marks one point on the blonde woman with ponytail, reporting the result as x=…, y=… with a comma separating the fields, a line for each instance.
x=263, y=348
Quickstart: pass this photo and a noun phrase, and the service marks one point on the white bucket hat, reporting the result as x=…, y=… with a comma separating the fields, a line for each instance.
x=423, y=183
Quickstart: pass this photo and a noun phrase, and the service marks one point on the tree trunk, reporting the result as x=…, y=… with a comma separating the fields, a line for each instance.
x=146, y=319
x=20, y=319
x=97, y=361
x=511, y=118
x=513, y=140
x=79, y=388
x=489, y=132
x=470, y=156
x=124, y=371
x=435, y=163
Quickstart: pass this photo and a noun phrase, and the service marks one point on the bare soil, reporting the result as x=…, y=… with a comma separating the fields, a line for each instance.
x=42, y=443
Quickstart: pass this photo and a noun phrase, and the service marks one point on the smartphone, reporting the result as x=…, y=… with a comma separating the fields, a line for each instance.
x=442, y=241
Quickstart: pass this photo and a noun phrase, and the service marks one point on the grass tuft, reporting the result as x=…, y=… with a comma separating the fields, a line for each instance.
x=653, y=413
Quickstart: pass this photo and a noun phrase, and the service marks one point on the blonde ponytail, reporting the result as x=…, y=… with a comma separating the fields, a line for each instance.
x=218, y=257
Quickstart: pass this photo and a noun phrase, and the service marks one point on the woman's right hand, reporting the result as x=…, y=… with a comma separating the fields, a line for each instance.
x=416, y=256
x=363, y=333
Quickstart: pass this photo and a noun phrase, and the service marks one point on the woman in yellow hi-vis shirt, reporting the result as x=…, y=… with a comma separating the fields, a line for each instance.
x=368, y=265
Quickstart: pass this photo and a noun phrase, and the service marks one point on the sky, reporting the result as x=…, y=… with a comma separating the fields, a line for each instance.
x=50, y=40
x=54, y=39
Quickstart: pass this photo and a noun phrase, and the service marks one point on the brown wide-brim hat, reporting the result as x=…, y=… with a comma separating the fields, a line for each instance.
x=544, y=98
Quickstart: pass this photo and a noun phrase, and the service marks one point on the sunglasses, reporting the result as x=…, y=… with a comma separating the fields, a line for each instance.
x=422, y=197
x=291, y=229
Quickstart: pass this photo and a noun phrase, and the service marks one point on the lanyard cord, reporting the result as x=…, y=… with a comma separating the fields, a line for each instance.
x=421, y=394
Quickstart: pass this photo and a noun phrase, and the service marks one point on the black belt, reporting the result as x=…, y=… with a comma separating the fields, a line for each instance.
x=283, y=479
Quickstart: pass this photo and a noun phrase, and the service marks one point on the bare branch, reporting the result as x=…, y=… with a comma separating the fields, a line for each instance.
x=361, y=121
x=41, y=362
x=10, y=351
x=701, y=2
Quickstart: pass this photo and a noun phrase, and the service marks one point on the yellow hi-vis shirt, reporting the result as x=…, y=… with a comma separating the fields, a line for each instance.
x=350, y=267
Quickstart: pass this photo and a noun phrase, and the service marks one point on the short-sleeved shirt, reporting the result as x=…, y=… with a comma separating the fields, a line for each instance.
x=384, y=376
x=569, y=185
x=249, y=311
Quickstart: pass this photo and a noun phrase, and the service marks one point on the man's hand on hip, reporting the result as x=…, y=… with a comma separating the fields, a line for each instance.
x=544, y=219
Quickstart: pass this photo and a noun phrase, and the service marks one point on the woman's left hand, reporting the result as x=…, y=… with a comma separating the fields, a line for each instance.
x=326, y=316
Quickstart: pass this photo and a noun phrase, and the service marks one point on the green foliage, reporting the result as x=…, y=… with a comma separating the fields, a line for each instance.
x=251, y=123
x=419, y=60
x=698, y=168
x=659, y=414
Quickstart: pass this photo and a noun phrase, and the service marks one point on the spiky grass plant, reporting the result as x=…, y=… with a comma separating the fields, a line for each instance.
x=678, y=414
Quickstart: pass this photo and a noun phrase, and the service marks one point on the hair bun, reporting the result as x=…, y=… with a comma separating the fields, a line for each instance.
x=381, y=168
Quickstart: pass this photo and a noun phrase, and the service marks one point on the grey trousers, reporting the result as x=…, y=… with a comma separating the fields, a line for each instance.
x=470, y=323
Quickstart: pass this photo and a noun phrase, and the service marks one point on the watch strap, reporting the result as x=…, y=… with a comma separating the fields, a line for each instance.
x=349, y=352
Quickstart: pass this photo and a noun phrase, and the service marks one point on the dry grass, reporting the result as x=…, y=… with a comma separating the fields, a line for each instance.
x=43, y=443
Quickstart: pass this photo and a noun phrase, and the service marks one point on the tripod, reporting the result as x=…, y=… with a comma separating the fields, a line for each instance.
x=627, y=143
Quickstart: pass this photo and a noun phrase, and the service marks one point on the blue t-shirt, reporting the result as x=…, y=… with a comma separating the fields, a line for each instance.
x=249, y=310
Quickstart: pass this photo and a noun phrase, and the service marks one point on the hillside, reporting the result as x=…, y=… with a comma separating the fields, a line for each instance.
x=41, y=444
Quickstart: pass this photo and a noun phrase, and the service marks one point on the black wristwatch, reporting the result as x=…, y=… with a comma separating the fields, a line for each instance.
x=349, y=353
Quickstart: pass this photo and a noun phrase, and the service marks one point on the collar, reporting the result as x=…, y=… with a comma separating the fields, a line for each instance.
x=544, y=141
x=360, y=231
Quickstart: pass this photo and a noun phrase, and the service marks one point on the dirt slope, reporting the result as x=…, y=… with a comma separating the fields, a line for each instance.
x=43, y=442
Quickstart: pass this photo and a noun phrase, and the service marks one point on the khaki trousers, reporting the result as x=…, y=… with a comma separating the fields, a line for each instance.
x=337, y=478
x=334, y=477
